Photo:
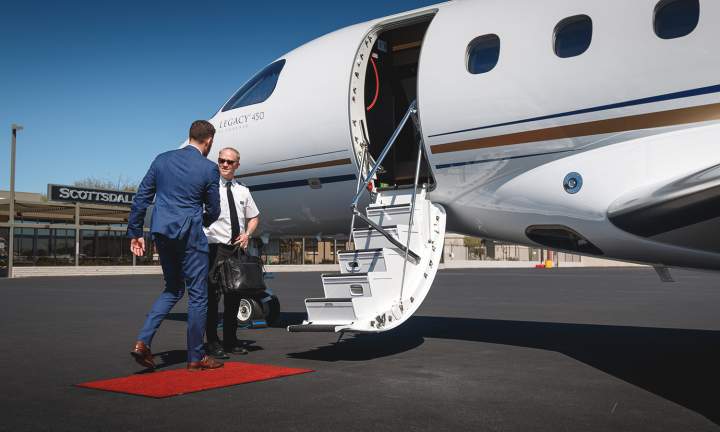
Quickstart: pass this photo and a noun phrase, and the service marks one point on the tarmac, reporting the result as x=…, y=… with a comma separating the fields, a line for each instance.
x=489, y=350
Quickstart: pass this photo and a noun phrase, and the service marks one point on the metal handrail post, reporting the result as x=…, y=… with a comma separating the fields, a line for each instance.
x=411, y=111
x=412, y=216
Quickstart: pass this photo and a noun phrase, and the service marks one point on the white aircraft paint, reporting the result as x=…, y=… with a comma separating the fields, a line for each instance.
x=310, y=127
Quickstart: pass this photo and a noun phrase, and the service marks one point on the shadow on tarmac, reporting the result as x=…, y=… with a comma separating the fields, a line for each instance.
x=170, y=358
x=679, y=365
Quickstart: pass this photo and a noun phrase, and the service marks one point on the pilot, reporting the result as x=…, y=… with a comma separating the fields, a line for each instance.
x=235, y=226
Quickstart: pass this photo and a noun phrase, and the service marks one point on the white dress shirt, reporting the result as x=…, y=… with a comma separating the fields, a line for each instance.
x=221, y=230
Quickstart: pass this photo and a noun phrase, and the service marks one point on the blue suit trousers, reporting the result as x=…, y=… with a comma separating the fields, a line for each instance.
x=183, y=267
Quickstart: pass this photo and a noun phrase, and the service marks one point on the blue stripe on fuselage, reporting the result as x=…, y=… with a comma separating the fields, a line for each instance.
x=665, y=97
x=298, y=183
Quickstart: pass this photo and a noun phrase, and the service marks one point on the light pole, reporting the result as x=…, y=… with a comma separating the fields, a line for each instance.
x=11, y=248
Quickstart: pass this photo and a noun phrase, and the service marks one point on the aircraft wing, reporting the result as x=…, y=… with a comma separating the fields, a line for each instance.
x=681, y=203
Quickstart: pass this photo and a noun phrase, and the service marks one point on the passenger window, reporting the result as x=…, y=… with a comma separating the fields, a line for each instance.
x=258, y=89
x=572, y=36
x=483, y=53
x=676, y=18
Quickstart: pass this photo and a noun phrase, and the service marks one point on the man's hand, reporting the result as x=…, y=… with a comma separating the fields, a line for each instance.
x=242, y=240
x=137, y=246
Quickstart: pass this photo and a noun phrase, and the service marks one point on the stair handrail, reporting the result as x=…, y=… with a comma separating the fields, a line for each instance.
x=411, y=111
x=412, y=213
x=406, y=249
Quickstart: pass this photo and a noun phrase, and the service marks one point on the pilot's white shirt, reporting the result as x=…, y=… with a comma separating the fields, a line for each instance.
x=221, y=230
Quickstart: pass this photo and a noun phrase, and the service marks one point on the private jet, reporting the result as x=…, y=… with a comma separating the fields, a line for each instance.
x=590, y=127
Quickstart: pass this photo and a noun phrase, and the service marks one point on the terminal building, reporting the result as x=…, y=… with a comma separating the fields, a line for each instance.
x=80, y=227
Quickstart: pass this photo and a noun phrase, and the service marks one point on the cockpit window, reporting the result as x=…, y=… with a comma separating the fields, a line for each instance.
x=572, y=36
x=258, y=89
x=483, y=53
x=676, y=18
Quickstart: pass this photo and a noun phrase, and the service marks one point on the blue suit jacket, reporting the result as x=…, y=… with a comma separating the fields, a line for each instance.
x=181, y=181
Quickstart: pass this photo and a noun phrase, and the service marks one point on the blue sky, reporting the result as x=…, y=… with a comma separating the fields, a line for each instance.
x=101, y=87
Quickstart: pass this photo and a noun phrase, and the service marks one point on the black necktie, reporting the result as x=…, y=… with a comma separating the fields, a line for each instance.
x=234, y=222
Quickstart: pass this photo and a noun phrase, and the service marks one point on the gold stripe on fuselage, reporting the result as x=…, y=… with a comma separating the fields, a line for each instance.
x=621, y=124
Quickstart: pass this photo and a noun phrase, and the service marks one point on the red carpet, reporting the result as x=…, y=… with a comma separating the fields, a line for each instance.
x=180, y=381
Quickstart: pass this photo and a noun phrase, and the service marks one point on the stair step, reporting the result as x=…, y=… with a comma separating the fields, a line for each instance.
x=362, y=261
x=385, y=227
x=369, y=238
x=399, y=195
x=329, y=300
x=390, y=188
x=299, y=328
x=396, y=214
x=389, y=207
x=341, y=275
x=330, y=310
x=351, y=252
x=346, y=284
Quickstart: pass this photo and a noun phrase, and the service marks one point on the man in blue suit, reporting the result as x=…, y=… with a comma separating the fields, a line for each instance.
x=184, y=184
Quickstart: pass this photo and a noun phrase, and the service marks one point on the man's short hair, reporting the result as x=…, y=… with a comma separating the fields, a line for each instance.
x=201, y=130
x=232, y=149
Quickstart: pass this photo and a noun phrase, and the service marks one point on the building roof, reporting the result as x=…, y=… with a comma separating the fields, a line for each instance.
x=34, y=207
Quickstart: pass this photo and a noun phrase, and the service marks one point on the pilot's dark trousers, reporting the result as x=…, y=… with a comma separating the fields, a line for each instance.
x=231, y=303
x=183, y=267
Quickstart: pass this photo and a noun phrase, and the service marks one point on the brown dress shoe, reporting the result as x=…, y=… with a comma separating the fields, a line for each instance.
x=207, y=362
x=141, y=353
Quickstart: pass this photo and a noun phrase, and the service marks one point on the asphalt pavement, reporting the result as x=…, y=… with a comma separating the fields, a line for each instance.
x=489, y=350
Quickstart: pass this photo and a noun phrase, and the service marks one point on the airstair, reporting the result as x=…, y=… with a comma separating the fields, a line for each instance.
x=386, y=278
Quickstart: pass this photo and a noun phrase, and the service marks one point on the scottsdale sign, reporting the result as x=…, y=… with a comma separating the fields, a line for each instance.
x=86, y=195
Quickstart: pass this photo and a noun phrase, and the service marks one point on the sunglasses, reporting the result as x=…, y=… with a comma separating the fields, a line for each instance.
x=222, y=161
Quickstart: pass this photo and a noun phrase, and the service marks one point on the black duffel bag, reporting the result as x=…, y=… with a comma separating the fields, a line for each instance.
x=239, y=273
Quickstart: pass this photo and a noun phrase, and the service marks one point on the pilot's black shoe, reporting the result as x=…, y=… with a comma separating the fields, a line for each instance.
x=236, y=349
x=216, y=350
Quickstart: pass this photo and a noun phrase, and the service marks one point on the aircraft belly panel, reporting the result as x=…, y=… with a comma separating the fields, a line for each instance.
x=501, y=200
